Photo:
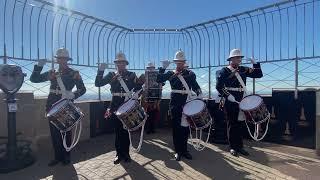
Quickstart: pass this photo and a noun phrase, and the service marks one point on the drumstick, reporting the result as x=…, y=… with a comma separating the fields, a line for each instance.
x=108, y=67
x=170, y=62
x=52, y=64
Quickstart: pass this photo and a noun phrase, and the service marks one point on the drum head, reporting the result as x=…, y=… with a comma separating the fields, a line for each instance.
x=250, y=102
x=125, y=107
x=193, y=107
x=56, y=107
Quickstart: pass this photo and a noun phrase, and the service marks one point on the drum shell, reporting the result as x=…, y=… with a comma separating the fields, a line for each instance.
x=66, y=117
x=200, y=120
x=133, y=118
x=258, y=114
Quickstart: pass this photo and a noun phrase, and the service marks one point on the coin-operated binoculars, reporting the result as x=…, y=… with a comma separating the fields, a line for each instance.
x=11, y=80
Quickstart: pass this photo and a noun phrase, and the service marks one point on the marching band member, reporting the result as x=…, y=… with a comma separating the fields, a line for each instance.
x=152, y=108
x=70, y=78
x=122, y=82
x=229, y=86
x=179, y=95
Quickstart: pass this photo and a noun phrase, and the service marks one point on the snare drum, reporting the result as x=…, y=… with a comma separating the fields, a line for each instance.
x=197, y=113
x=131, y=114
x=254, y=109
x=256, y=114
x=64, y=115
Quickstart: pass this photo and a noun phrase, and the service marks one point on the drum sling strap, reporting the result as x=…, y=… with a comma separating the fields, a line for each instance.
x=197, y=144
x=141, y=135
x=77, y=131
x=126, y=89
x=255, y=135
x=185, y=85
x=124, y=86
x=241, y=116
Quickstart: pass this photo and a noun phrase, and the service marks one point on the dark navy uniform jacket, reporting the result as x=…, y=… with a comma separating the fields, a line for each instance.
x=226, y=79
x=130, y=79
x=70, y=79
x=190, y=78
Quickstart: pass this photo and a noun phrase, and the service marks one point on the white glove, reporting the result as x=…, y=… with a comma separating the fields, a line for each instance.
x=241, y=116
x=68, y=95
x=165, y=64
x=231, y=98
x=42, y=62
x=102, y=66
x=253, y=61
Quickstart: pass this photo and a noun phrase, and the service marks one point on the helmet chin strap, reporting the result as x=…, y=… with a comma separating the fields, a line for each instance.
x=120, y=70
x=235, y=66
x=63, y=66
x=180, y=68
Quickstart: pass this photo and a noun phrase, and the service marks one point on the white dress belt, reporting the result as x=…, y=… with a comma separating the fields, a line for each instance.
x=179, y=91
x=56, y=91
x=121, y=94
x=235, y=89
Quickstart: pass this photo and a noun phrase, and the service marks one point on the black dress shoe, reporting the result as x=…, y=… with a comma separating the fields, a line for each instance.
x=127, y=158
x=233, y=152
x=177, y=156
x=243, y=152
x=117, y=160
x=53, y=163
x=187, y=155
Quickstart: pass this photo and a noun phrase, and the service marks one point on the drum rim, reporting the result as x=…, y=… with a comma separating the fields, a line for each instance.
x=130, y=110
x=56, y=103
x=75, y=107
x=205, y=107
x=252, y=108
x=261, y=121
x=69, y=102
x=53, y=114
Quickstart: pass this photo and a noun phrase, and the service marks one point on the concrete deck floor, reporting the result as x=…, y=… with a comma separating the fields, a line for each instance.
x=94, y=160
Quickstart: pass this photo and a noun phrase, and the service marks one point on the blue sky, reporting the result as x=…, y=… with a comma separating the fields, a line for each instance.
x=161, y=13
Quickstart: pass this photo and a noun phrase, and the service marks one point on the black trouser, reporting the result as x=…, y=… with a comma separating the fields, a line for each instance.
x=60, y=152
x=151, y=120
x=234, y=126
x=122, y=141
x=179, y=133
